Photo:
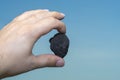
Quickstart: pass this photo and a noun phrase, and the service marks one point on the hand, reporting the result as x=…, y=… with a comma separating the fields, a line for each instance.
x=18, y=38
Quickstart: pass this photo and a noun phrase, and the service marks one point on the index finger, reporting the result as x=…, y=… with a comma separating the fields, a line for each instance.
x=46, y=25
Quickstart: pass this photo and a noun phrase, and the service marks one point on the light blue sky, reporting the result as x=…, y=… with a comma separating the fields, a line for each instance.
x=93, y=27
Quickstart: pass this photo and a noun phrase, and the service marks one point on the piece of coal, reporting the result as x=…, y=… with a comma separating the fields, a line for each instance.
x=59, y=44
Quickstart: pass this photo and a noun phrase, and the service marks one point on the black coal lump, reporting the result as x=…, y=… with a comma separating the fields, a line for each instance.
x=59, y=44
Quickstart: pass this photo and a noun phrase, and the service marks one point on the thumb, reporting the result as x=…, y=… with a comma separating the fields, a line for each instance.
x=48, y=60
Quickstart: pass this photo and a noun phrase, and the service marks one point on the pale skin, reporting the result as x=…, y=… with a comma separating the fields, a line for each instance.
x=18, y=38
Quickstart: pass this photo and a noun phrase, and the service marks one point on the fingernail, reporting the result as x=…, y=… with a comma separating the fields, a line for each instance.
x=60, y=63
x=63, y=14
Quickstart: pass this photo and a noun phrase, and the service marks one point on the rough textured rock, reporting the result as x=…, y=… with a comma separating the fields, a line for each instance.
x=59, y=44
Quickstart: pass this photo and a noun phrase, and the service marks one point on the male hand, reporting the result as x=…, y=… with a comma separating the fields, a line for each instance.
x=18, y=38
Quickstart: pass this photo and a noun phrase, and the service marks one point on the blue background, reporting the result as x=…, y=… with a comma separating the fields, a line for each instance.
x=93, y=27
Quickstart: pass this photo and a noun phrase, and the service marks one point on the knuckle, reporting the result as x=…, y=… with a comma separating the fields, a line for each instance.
x=55, y=12
x=52, y=19
x=28, y=11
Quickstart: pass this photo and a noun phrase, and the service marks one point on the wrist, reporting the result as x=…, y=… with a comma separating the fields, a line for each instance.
x=1, y=63
x=2, y=67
